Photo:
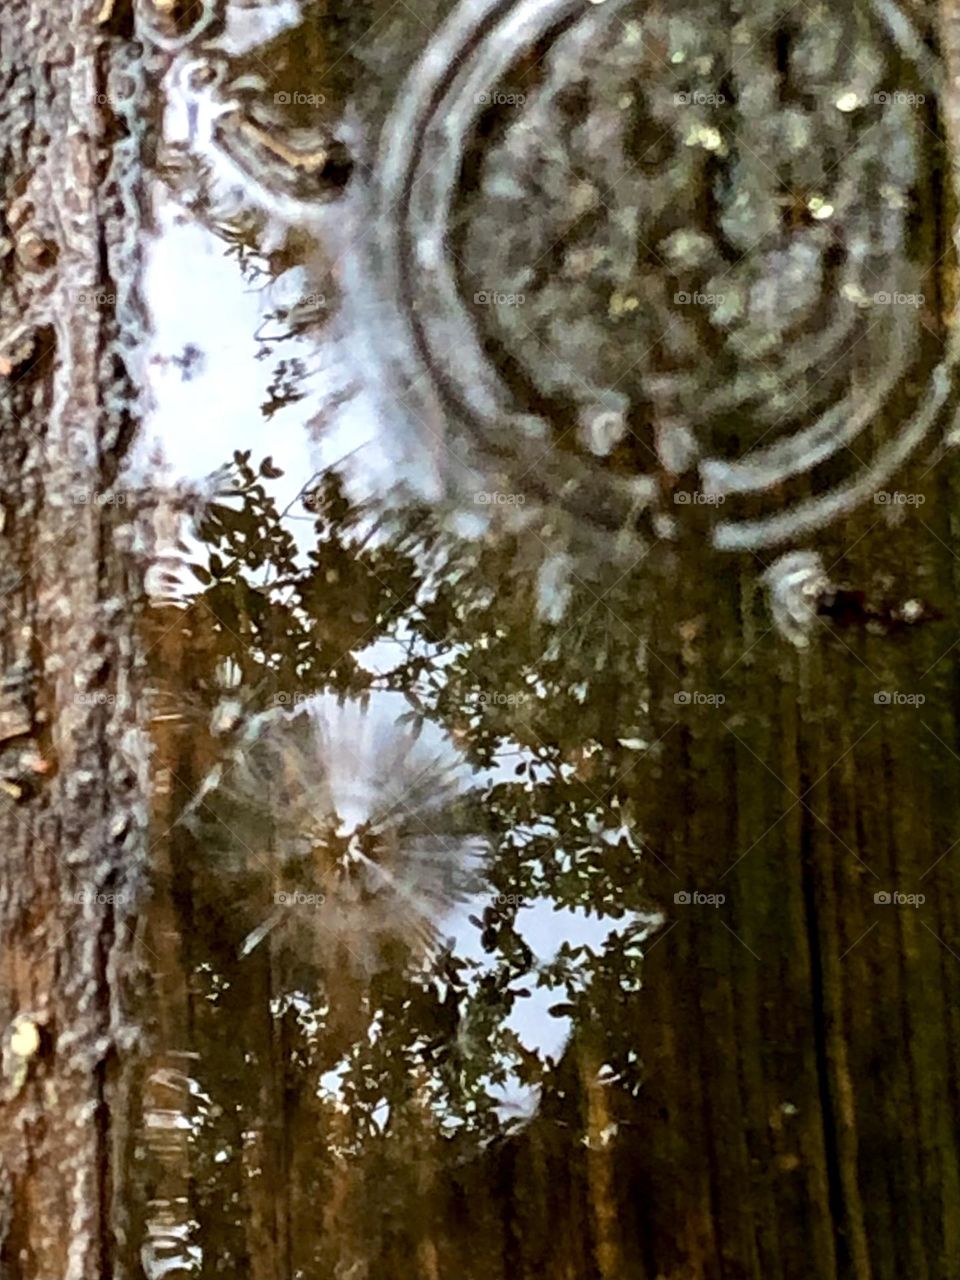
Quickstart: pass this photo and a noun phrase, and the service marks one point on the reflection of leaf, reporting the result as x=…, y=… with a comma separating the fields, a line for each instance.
x=461, y=623
x=221, y=603
x=228, y=517
x=283, y=390
x=562, y=1010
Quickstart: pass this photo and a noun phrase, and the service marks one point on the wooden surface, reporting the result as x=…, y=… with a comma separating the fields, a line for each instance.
x=799, y=1043
x=72, y=852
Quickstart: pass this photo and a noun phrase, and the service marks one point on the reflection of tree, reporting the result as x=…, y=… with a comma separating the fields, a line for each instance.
x=355, y=1064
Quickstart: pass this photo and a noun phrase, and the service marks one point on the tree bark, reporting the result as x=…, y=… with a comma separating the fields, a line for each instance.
x=72, y=846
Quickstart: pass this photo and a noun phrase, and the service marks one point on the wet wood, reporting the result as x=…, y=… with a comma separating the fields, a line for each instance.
x=72, y=846
x=799, y=1040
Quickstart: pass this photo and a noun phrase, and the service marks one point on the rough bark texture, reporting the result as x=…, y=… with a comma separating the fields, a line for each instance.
x=72, y=844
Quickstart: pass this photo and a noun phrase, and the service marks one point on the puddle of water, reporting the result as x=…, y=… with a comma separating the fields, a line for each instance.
x=399, y=915
x=319, y=917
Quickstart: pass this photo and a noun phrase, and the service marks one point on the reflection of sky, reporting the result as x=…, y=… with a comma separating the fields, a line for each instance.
x=246, y=27
x=544, y=928
x=196, y=295
x=197, y=298
x=194, y=421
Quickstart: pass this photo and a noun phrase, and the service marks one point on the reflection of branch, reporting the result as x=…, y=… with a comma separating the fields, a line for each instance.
x=282, y=516
x=306, y=489
x=279, y=337
x=375, y=528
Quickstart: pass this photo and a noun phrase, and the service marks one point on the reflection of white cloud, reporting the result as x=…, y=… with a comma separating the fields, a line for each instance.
x=197, y=296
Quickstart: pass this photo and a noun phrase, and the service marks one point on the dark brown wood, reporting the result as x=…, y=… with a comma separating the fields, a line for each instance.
x=72, y=828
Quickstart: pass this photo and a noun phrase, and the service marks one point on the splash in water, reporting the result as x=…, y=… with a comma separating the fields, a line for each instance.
x=349, y=821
